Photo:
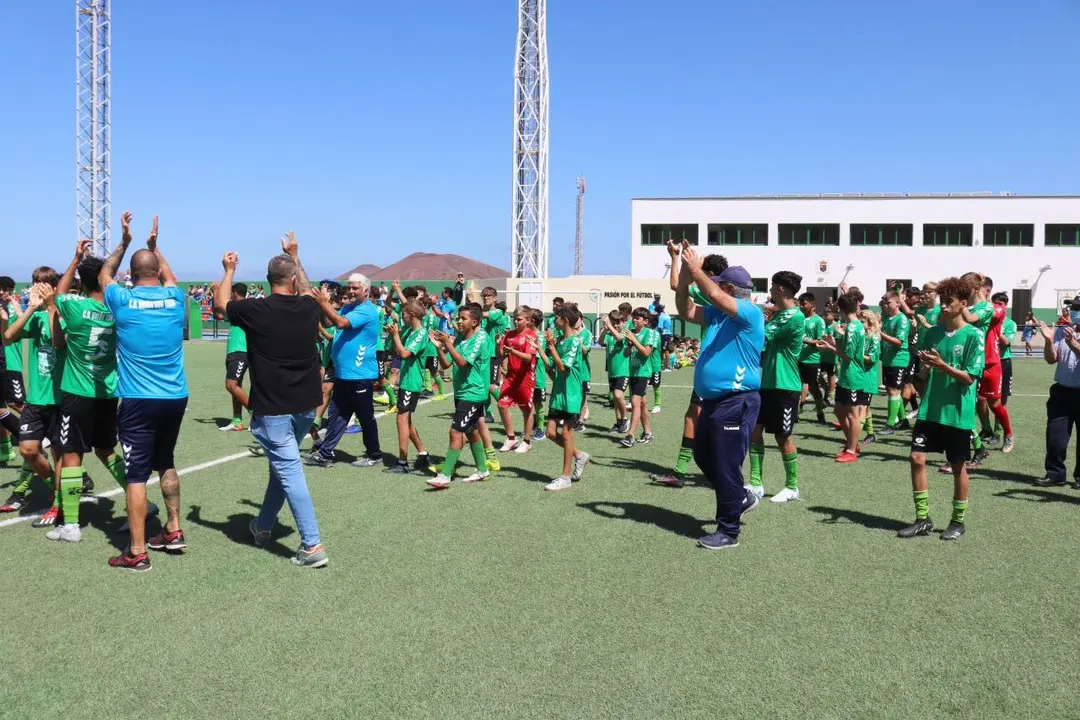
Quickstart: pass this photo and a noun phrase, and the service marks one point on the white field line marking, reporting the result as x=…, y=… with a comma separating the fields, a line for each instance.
x=182, y=472
x=691, y=387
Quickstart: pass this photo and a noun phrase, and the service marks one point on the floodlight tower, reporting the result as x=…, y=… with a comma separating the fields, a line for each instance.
x=93, y=130
x=579, y=242
x=529, y=242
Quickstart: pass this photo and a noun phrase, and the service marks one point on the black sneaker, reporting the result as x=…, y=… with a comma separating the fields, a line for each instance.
x=954, y=532
x=624, y=427
x=87, y=485
x=616, y=426
x=904, y=424
x=869, y=440
x=489, y=419
x=1049, y=482
x=423, y=462
x=579, y=426
x=628, y=441
x=921, y=527
x=717, y=541
x=980, y=456
x=821, y=418
x=317, y=459
x=645, y=438
x=888, y=430
x=674, y=480
x=401, y=468
x=15, y=503
x=750, y=501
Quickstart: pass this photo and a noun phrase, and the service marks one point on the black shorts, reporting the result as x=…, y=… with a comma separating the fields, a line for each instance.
x=638, y=386
x=148, y=431
x=395, y=363
x=467, y=416
x=14, y=391
x=912, y=371
x=539, y=397
x=382, y=358
x=496, y=376
x=618, y=383
x=808, y=373
x=561, y=417
x=236, y=365
x=779, y=409
x=666, y=342
x=851, y=398
x=328, y=373
x=407, y=400
x=828, y=369
x=654, y=380
x=432, y=364
x=895, y=377
x=932, y=437
x=586, y=388
x=86, y=424
x=38, y=422
x=1006, y=377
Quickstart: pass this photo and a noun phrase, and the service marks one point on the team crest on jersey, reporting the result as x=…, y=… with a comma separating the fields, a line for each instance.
x=958, y=351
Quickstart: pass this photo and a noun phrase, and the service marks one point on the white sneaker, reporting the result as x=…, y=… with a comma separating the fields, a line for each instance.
x=231, y=428
x=477, y=477
x=785, y=495
x=151, y=511
x=439, y=482
x=758, y=490
x=562, y=483
x=580, y=461
x=522, y=448
x=656, y=410
x=509, y=445
x=66, y=533
x=912, y=415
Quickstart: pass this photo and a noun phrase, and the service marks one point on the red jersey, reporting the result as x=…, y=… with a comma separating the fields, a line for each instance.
x=522, y=342
x=993, y=335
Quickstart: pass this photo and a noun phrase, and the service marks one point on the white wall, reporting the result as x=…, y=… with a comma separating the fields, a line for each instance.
x=1010, y=267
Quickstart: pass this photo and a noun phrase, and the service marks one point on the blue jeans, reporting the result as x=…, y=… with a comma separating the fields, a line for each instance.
x=280, y=436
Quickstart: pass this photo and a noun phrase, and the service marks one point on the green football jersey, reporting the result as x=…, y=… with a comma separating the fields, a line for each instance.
x=852, y=372
x=541, y=369
x=494, y=325
x=471, y=381
x=13, y=353
x=586, y=342
x=325, y=346
x=1008, y=331
x=618, y=358
x=783, y=345
x=566, y=390
x=46, y=363
x=932, y=315
x=431, y=323
x=813, y=329
x=984, y=313
x=947, y=401
x=237, y=341
x=656, y=359
x=828, y=356
x=873, y=367
x=416, y=342
x=893, y=356
x=90, y=367
x=641, y=366
x=697, y=296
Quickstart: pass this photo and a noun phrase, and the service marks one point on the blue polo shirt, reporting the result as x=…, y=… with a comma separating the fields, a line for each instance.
x=353, y=351
x=149, y=341
x=731, y=350
x=449, y=307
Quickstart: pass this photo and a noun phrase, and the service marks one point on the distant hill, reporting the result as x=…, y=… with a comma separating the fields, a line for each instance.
x=429, y=266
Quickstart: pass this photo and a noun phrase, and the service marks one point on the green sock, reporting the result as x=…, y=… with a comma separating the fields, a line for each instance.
x=686, y=454
x=976, y=441
x=26, y=475
x=238, y=419
x=539, y=412
x=428, y=380
x=895, y=402
x=56, y=495
x=757, y=458
x=494, y=395
x=922, y=501
x=450, y=463
x=70, y=492
x=985, y=424
x=656, y=396
x=392, y=395
x=489, y=453
x=438, y=383
x=5, y=446
x=998, y=431
x=959, y=511
x=791, y=471
x=479, y=456
x=868, y=424
x=115, y=466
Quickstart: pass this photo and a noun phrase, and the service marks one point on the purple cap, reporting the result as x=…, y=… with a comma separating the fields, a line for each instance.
x=735, y=275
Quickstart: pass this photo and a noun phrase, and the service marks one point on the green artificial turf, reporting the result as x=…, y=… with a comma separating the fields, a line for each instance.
x=502, y=600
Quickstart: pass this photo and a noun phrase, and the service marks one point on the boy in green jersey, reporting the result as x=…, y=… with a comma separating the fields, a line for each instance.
x=433, y=380
x=952, y=361
x=12, y=388
x=848, y=341
x=828, y=357
x=586, y=373
x=470, y=355
x=39, y=415
x=655, y=360
x=617, y=361
x=642, y=341
x=810, y=354
x=236, y=365
x=781, y=386
x=89, y=402
x=895, y=359
x=410, y=345
x=540, y=390
x=495, y=325
x=564, y=354
x=872, y=325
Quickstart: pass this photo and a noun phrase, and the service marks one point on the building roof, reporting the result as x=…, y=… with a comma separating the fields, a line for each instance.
x=987, y=195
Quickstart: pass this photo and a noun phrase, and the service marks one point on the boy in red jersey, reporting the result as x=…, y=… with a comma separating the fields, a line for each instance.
x=519, y=348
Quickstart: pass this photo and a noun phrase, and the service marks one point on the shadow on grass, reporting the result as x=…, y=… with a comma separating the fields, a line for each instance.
x=675, y=522
x=236, y=528
x=873, y=522
x=1038, y=495
x=526, y=474
x=100, y=515
x=1001, y=475
x=219, y=421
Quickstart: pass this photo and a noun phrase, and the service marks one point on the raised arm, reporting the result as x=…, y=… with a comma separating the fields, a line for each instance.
x=13, y=331
x=224, y=289
x=168, y=279
x=712, y=292
x=322, y=297
x=81, y=248
x=289, y=246
x=112, y=263
x=673, y=272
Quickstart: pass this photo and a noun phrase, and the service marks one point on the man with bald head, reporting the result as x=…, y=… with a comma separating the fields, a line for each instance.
x=152, y=386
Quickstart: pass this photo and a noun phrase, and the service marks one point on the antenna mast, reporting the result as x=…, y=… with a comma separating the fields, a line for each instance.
x=529, y=241
x=93, y=127
x=579, y=243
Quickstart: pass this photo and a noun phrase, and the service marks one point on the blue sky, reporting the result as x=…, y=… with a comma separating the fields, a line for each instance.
x=379, y=129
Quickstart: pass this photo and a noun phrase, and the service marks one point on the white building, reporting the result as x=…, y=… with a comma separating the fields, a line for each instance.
x=1030, y=246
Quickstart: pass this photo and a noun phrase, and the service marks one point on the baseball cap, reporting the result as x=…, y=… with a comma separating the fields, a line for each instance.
x=735, y=275
x=1075, y=304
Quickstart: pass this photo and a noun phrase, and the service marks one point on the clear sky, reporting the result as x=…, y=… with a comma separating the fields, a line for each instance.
x=376, y=129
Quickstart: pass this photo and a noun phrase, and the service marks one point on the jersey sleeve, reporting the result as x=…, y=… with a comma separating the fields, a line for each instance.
x=983, y=311
x=358, y=317
x=416, y=341
x=854, y=344
x=571, y=350
x=473, y=351
x=115, y=297
x=67, y=306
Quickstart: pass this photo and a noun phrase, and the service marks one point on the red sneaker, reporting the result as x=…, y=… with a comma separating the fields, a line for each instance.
x=48, y=519
x=127, y=561
x=847, y=457
x=171, y=541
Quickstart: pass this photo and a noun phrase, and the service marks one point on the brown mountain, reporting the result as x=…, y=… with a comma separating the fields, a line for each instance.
x=365, y=269
x=431, y=266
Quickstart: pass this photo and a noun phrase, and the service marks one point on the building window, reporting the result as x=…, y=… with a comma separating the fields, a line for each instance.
x=761, y=285
x=884, y=235
x=660, y=234
x=947, y=235
x=1063, y=236
x=1009, y=235
x=809, y=234
x=738, y=234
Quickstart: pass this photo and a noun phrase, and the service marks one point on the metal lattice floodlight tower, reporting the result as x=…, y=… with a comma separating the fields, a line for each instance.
x=579, y=239
x=529, y=244
x=92, y=122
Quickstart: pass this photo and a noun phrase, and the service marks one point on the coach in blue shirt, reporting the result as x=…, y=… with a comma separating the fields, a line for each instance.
x=151, y=386
x=727, y=377
x=356, y=372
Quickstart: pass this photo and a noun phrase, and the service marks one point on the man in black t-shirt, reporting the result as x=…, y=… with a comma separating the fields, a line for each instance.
x=459, y=290
x=285, y=387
